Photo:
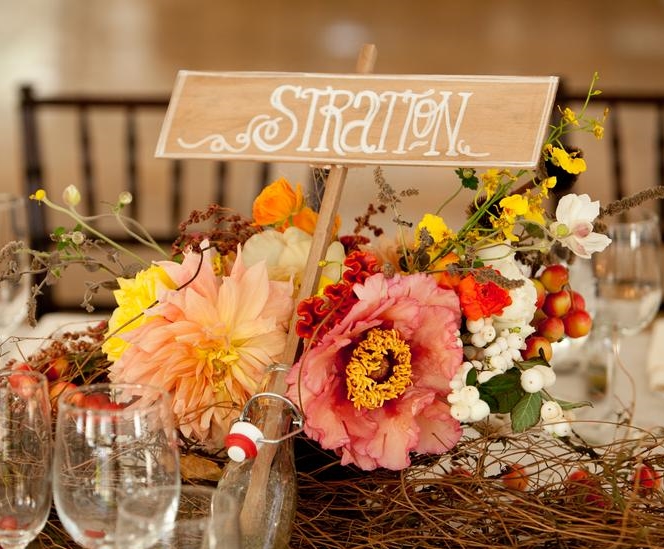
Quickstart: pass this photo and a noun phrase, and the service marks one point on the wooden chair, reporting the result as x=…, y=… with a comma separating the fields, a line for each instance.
x=103, y=141
x=632, y=149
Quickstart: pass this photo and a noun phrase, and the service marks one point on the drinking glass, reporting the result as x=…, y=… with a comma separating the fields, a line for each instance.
x=111, y=440
x=629, y=283
x=25, y=457
x=13, y=292
x=190, y=517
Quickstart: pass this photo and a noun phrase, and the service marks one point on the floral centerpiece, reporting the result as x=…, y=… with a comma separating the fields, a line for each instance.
x=407, y=340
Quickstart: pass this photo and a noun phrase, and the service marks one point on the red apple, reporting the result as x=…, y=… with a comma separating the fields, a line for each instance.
x=541, y=292
x=96, y=401
x=534, y=344
x=578, y=301
x=8, y=522
x=515, y=477
x=577, y=323
x=551, y=328
x=22, y=384
x=557, y=303
x=586, y=489
x=59, y=387
x=57, y=368
x=554, y=277
x=646, y=480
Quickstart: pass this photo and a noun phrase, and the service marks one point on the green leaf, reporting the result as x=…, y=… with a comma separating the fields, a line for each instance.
x=566, y=405
x=534, y=230
x=468, y=178
x=502, y=392
x=527, y=364
x=471, y=378
x=526, y=413
x=59, y=231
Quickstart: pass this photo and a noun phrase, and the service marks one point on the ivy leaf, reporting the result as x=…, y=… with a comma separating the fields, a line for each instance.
x=468, y=178
x=526, y=413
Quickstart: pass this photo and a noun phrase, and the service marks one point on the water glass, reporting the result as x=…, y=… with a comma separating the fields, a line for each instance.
x=111, y=440
x=14, y=292
x=186, y=517
x=25, y=457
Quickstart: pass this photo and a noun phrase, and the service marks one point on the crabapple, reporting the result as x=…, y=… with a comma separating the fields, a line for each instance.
x=515, y=477
x=554, y=277
x=534, y=344
x=557, y=303
x=57, y=368
x=577, y=323
x=541, y=292
x=551, y=328
x=646, y=480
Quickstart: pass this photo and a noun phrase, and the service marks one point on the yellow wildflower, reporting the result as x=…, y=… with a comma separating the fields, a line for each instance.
x=436, y=227
x=548, y=183
x=490, y=180
x=535, y=212
x=569, y=116
x=506, y=226
x=570, y=162
x=598, y=129
x=514, y=206
x=38, y=195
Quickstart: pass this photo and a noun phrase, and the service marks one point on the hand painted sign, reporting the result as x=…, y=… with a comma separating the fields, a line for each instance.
x=359, y=119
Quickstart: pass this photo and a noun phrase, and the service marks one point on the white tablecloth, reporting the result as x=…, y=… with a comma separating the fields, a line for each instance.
x=632, y=385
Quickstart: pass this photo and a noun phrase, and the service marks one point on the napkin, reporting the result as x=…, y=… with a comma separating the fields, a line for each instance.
x=655, y=358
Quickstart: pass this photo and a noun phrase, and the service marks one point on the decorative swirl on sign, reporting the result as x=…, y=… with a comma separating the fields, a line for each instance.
x=465, y=149
x=260, y=131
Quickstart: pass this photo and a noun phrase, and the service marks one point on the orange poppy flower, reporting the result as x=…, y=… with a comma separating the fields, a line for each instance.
x=277, y=203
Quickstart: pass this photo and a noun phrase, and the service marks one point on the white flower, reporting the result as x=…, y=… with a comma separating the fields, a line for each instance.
x=518, y=315
x=573, y=227
x=286, y=254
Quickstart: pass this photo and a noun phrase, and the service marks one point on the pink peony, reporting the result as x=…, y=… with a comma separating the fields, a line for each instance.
x=376, y=420
x=209, y=342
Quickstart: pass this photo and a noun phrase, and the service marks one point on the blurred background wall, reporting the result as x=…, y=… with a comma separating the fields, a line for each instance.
x=137, y=46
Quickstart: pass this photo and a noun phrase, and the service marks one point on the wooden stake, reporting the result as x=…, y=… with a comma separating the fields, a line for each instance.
x=326, y=217
x=255, y=500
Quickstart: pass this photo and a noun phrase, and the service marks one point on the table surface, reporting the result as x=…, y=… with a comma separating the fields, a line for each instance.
x=631, y=380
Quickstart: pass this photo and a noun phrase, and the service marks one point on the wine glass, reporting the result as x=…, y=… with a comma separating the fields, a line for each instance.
x=25, y=457
x=14, y=291
x=170, y=517
x=111, y=440
x=629, y=283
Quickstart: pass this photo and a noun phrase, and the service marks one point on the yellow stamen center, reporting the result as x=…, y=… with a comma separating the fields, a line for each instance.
x=379, y=369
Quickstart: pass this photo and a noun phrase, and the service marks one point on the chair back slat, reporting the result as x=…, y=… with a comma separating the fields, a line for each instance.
x=131, y=147
x=110, y=157
x=87, y=169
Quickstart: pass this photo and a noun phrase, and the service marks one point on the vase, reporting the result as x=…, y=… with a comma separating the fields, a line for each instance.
x=265, y=484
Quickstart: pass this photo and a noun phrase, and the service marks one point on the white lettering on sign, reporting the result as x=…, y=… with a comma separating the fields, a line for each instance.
x=433, y=121
x=327, y=119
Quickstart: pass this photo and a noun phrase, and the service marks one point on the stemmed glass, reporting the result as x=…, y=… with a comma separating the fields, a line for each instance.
x=629, y=283
x=25, y=457
x=111, y=440
x=203, y=518
x=13, y=292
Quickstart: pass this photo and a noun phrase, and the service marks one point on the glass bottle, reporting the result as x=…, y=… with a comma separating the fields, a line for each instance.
x=265, y=485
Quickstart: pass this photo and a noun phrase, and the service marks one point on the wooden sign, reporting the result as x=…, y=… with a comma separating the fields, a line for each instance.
x=358, y=118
